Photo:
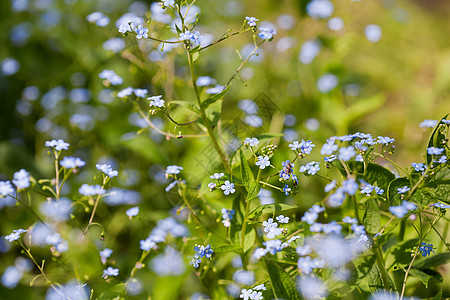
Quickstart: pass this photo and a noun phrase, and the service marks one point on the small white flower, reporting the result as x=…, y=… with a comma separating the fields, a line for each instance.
x=228, y=188
x=253, y=142
x=282, y=219
x=156, y=101
x=263, y=162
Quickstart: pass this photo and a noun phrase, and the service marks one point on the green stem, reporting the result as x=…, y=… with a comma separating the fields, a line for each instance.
x=381, y=268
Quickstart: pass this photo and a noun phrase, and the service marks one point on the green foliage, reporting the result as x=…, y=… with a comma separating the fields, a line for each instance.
x=283, y=284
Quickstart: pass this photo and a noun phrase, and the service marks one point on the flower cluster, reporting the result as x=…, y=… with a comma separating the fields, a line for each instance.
x=201, y=251
x=401, y=210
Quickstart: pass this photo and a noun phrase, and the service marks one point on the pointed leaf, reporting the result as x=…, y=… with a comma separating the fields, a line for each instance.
x=206, y=103
x=372, y=216
x=283, y=284
x=270, y=209
x=246, y=172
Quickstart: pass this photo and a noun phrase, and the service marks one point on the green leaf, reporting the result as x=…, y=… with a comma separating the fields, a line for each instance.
x=373, y=174
x=438, y=187
x=283, y=284
x=372, y=216
x=363, y=265
x=227, y=248
x=402, y=252
x=246, y=172
x=206, y=103
x=437, y=138
x=425, y=275
x=376, y=282
x=253, y=190
x=433, y=261
x=186, y=104
x=270, y=209
x=438, y=296
x=250, y=238
x=393, y=197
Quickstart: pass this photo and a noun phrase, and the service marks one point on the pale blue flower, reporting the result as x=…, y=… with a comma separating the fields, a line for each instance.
x=57, y=144
x=110, y=271
x=428, y=123
x=141, y=32
x=125, y=92
x=266, y=33
x=173, y=169
x=71, y=162
x=228, y=187
x=156, y=101
x=403, y=190
x=91, y=190
x=346, y=153
x=282, y=219
x=251, y=21
x=319, y=9
x=15, y=235
x=253, y=142
x=21, y=179
x=327, y=82
x=132, y=212
x=263, y=162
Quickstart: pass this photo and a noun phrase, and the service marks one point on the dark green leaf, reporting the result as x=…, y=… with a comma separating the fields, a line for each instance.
x=253, y=190
x=393, y=197
x=372, y=216
x=422, y=276
x=246, y=172
x=438, y=296
x=206, y=103
x=437, y=138
x=402, y=252
x=376, y=282
x=283, y=284
x=433, y=261
x=438, y=187
x=270, y=209
x=373, y=174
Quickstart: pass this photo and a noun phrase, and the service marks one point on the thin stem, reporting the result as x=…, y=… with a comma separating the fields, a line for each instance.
x=243, y=63
x=95, y=208
x=167, y=134
x=415, y=255
x=57, y=187
x=223, y=156
x=138, y=265
x=382, y=269
x=181, y=124
x=41, y=269
x=28, y=208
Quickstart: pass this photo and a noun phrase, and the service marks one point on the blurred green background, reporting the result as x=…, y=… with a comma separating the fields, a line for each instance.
x=384, y=88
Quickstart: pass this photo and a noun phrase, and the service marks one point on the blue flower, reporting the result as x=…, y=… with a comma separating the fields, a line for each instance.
x=195, y=262
x=266, y=33
x=142, y=32
x=216, y=175
x=440, y=205
x=227, y=213
x=70, y=162
x=346, y=153
x=125, y=92
x=205, y=81
x=253, y=142
x=398, y=211
x=156, y=101
x=273, y=246
x=173, y=169
x=282, y=219
x=58, y=210
x=203, y=251
x=350, y=186
x=337, y=198
x=57, y=144
x=211, y=186
x=426, y=249
x=111, y=77
x=246, y=294
x=286, y=190
x=91, y=190
x=15, y=235
x=110, y=271
x=263, y=162
x=350, y=220
x=328, y=148
x=21, y=179
x=140, y=92
x=311, y=167
x=147, y=244
x=435, y=151
x=428, y=123
x=403, y=190
x=418, y=166
x=228, y=187
x=251, y=21
x=441, y=160
x=385, y=140
x=132, y=212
